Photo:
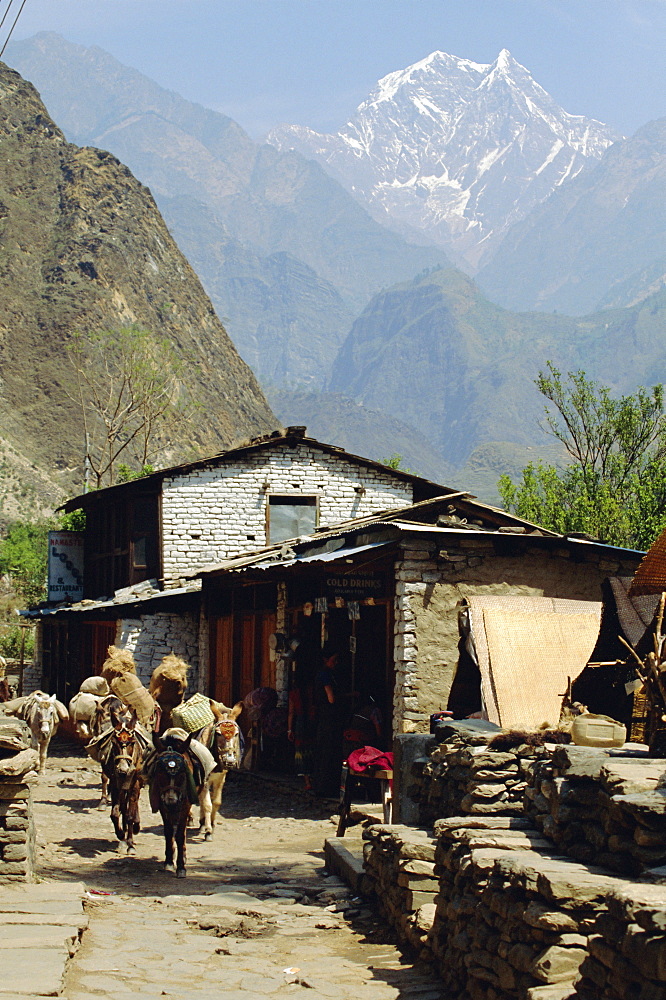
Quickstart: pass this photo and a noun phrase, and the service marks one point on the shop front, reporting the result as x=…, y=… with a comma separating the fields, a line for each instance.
x=268, y=628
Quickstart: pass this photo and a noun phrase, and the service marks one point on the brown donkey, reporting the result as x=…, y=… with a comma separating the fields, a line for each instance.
x=124, y=769
x=173, y=790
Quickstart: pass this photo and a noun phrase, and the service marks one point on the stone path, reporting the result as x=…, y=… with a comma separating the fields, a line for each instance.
x=40, y=927
x=257, y=917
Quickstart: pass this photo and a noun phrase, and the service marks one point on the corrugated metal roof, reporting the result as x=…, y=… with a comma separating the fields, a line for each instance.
x=111, y=603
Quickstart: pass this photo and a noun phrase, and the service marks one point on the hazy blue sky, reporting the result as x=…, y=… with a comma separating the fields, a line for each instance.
x=312, y=61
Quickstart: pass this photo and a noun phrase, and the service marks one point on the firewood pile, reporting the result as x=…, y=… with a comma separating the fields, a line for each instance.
x=600, y=807
x=18, y=771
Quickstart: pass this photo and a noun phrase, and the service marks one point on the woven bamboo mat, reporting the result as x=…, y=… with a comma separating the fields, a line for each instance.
x=527, y=606
x=650, y=577
x=531, y=656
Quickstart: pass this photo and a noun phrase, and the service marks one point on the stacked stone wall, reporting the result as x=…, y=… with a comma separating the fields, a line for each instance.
x=152, y=637
x=463, y=775
x=598, y=807
x=627, y=948
x=399, y=864
x=559, y=896
x=18, y=763
x=17, y=832
x=512, y=921
x=217, y=511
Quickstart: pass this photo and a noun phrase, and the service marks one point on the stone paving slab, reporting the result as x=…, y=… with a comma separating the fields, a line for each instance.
x=42, y=922
x=345, y=860
x=39, y=936
x=41, y=975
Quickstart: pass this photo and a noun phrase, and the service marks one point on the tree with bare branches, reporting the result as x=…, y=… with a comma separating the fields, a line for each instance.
x=131, y=385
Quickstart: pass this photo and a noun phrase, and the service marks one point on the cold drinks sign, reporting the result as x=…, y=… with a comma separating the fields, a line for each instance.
x=65, y=565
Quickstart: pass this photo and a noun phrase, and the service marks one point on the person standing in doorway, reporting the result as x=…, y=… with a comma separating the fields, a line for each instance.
x=301, y=723
x=328, y=736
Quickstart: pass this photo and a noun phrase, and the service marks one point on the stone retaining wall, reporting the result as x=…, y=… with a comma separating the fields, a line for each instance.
x=490, y=896
x=17, y=832
x=399, y=864
x=627, y=948
x=462, y=775
x=600, y=808
x=511, y=918
x=18, y=763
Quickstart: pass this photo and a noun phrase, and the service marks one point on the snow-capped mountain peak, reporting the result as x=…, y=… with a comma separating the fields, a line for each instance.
x=458, y=149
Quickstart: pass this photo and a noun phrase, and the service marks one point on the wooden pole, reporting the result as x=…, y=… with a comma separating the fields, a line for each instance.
x=21, y=661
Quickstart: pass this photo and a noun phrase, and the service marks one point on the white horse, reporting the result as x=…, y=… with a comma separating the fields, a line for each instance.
x=43, y=713
x=223, y=738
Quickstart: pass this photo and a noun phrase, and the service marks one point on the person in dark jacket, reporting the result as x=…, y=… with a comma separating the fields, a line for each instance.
x=328, y=734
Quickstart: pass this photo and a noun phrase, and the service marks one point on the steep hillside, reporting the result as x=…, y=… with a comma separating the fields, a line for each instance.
x=598, y=241
x=262, y=202
x=438, y=356
x=456, y=149
x=84, y=248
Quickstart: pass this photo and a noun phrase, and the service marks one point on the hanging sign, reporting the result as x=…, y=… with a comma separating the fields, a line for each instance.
x=65, y=566
x=356, y=586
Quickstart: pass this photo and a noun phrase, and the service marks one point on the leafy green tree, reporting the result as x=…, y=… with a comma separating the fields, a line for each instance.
x=23, y=557
x=614, y=487
x=24, y=554
x=394, y=461
x=126, y=474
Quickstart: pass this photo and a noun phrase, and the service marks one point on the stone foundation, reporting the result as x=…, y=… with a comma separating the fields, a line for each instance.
x=17, y=833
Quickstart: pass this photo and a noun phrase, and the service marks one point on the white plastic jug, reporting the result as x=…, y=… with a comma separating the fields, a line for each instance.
x=590, y=730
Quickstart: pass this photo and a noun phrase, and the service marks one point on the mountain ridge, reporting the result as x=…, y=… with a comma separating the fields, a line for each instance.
x=450, y=177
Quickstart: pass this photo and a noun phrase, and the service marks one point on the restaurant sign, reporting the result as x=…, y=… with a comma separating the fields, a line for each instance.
x=65, y=566
x=355, y=586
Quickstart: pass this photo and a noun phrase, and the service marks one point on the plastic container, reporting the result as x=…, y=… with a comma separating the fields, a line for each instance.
x=597, y=731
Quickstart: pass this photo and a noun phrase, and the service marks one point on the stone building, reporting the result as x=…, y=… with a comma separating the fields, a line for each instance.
x=388, y=592
x=145, y=539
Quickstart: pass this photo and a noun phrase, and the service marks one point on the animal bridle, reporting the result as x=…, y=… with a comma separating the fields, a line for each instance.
x=126, y=745
x=172, y=765
x=229, y=731
x=46, y=714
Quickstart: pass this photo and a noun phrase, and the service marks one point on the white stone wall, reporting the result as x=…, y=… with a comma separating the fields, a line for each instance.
x=219, y=511
x=151, y=637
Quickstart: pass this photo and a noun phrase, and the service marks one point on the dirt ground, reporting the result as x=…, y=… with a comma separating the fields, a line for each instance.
x=257, y=916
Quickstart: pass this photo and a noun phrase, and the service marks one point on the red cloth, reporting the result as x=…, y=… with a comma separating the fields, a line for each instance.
x=369, y=757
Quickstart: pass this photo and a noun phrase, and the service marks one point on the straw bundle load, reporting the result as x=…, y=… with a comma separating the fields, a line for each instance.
x=118, y=662
x=168, y=685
